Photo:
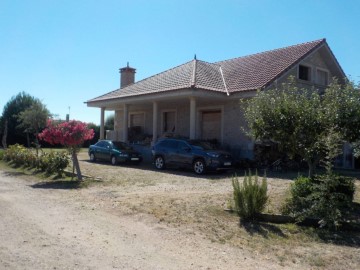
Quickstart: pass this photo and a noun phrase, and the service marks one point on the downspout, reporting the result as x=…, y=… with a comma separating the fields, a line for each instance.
x=222, y=76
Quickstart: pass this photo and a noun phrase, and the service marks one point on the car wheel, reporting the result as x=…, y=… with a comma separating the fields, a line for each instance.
x=92, y=157
x=199, y=166
x=113, y=160
x=159, y=163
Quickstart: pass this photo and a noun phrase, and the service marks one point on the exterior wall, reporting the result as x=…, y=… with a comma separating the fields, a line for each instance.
x=314, y=61
x=235, y=138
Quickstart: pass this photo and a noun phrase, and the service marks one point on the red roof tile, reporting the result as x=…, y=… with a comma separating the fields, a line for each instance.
x=259, y=70
x=239, y=74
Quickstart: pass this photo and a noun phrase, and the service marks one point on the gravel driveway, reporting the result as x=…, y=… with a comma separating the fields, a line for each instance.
x=51, y=228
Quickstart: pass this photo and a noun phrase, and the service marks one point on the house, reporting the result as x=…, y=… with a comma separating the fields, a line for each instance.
x=200, y=100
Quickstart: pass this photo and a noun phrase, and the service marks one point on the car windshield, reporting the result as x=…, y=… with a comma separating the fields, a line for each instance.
x=121, y=146
x=202, y=145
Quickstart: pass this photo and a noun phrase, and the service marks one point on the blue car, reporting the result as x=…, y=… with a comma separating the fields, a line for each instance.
x=114, y=152
x=201, y=156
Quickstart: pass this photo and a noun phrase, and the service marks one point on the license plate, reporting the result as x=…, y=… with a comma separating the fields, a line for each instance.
x=134, y=158
x=227, y=163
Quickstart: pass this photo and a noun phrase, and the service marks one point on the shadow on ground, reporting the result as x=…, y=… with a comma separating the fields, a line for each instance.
x=59, y=184
x=262, y=228
x=14, y=173
x=340, y=238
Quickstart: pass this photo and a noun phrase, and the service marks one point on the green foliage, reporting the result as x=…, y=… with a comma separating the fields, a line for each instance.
x=33, y=119
x=11, y=110
x=250, y=198
x=109, y=122
x=327, y=197
x=300, y=119
x=50, y=163
x=53, y=162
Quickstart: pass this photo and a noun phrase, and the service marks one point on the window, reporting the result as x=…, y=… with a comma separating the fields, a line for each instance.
x=322, y=77
x=172, y=144
x=169, y=122
x=304, y=73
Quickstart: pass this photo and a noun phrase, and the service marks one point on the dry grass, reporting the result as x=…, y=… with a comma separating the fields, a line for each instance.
x=195, y=205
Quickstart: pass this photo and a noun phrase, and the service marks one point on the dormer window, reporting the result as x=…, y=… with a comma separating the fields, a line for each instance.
x=304, y=73
x=322, y=77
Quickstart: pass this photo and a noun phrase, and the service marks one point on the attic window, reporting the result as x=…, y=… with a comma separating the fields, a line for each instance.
x=322, y=77
x=304, y=73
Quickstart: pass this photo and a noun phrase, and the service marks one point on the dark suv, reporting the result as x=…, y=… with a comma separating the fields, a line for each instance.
x=198, y=155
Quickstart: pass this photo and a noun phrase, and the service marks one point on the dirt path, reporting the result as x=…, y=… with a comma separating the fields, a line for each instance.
x=59, y=229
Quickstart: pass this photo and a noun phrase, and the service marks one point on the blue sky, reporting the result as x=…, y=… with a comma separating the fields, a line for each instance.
x=65, y=52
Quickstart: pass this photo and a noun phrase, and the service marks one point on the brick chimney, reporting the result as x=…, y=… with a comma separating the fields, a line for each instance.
x=127, y=76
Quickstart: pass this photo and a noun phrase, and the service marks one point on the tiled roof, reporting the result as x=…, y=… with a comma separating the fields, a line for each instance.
x=259, y=70
x=234, y=75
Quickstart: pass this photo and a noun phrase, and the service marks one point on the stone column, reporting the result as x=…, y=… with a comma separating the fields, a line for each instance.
x=102, y=123
x=126, y=117
x=155, y=122
x=192, y=118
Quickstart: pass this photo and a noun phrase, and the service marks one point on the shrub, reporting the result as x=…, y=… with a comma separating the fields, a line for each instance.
x=250, y=198
x=327, y=197
x=16, y=153
x=53, y=162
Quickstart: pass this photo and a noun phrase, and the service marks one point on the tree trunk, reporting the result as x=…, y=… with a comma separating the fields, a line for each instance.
x=76, y=164
x=5, y=134
x=37, y=144
x=312, y=167
x=28, y=139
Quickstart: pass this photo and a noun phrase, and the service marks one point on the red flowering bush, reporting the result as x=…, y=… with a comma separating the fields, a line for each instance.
x=71, y=134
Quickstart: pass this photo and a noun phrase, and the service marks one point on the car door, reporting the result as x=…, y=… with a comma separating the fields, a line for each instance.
x=184, y=154
x=168, y=149
x=104, y=151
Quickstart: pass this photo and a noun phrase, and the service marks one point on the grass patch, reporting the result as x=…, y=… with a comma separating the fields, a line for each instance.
x=54, y=181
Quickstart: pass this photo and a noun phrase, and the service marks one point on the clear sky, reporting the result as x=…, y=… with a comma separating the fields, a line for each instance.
x=65, y=52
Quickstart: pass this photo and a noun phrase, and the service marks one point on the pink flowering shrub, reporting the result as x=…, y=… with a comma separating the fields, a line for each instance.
x=71, y=134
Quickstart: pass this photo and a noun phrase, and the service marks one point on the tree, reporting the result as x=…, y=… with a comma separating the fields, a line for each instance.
x=33, y=119
x=9, y=123
x=71, y=134
x=300, y=120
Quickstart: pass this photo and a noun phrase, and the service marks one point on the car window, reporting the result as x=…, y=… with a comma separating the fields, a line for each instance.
x=121, y=146
x=100, y=144
x=106, y=145
x=202, y=145
x=182, y=146
x=169, y=144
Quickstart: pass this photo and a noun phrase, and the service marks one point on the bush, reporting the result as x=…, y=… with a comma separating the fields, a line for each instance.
x=327, y=197
x=250, y=198
x=17, y=154
x=50, y=163
x=53, y=162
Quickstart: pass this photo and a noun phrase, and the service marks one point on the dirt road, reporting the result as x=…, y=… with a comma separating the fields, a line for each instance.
x=49, y=228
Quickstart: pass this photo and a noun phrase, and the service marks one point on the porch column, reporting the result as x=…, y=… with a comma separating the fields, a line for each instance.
x=192, y=118
x=126, y=116
x=155, y=121
x=102, y=121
